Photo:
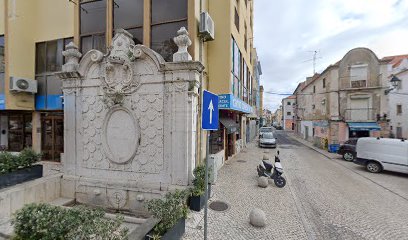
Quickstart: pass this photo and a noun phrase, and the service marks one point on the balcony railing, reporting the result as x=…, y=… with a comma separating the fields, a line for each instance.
x=360, y=114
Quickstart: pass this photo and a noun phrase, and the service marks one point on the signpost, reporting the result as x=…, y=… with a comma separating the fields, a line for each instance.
x=209, y=121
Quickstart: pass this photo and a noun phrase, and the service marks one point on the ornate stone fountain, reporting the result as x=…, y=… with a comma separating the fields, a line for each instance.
x=130, y=122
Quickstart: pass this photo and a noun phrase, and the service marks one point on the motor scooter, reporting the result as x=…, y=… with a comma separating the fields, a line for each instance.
x=274, y=172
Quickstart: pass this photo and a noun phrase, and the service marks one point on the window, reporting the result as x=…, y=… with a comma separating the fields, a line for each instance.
x=314, y=89
x=288, y=103
x=236, y=20
x=216, y=141
x=288, y=114
x=313, y=106
x=399, y=132
x=236, y=69
x=399, y=109
x=358, y=76
x=19, y=132
x=93, y=25
x=245, y=83
x=324, y=82
x=49, y=60
x=2, y=65
x=245, y=37
x=167, y=18
x=128, y=14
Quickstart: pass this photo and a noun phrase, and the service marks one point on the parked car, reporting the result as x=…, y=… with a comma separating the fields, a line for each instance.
x=263, y=130
x=378, y=154
x=348, y=149
x=267, y=139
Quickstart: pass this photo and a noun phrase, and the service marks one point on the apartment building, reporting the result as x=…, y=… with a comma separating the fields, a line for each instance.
x=32, y=39
x=398, y=97
x=346, y=100
x=288, y=115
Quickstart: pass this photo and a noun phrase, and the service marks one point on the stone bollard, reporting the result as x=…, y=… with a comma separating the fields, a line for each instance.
x=257, y=218
x=263, y=182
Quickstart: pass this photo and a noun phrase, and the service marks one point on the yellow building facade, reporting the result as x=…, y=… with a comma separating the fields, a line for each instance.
x=33, y=34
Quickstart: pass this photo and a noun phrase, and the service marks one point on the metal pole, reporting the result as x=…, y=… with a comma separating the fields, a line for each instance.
x=206, y=184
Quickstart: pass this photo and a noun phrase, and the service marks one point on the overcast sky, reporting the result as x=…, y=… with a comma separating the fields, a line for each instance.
x=287, y=33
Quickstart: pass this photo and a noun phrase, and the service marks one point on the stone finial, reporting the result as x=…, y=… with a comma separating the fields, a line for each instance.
x=183, y=42
x=72, y=56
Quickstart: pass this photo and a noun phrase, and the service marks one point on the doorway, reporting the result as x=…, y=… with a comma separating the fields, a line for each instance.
x=52, y=136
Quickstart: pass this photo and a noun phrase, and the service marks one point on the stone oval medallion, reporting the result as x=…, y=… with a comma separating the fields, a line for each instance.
x=121, y=134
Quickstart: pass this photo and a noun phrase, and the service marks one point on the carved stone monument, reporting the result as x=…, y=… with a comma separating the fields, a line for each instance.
x=130, y=122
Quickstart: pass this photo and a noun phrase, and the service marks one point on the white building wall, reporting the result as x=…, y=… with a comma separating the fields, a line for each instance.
x=399, y=96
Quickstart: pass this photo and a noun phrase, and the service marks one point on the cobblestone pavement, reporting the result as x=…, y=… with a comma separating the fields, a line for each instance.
x=325, y=198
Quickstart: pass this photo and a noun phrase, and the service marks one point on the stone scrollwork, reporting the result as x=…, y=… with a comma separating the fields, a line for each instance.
x=118, y=76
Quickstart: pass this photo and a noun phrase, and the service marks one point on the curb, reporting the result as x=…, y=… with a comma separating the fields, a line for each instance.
x=311, y=147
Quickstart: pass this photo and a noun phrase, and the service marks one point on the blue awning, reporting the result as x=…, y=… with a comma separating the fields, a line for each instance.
x=363, y=126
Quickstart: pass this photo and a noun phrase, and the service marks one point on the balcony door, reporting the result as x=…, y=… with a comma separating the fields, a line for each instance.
x=52, y=137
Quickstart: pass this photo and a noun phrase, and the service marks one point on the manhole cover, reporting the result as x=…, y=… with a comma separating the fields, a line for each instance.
x=219, y=206
x=241, y=161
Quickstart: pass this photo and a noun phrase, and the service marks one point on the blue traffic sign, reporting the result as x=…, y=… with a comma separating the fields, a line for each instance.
x=209, y=111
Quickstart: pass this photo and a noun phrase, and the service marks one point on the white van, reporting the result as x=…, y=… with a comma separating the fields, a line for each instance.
x=379, y=154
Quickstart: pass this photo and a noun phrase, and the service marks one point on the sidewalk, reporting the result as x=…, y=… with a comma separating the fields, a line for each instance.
x=237, y=186
x=310, y=145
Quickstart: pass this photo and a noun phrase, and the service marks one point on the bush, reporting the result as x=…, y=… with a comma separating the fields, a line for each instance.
x=47, y=222
x=168, y=210
x=11, y=163
x=199, y=180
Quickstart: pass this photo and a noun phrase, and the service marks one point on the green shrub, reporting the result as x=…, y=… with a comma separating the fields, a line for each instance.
x=10, y=162
x=199, y=180
x=168, y=210
x=47, y=222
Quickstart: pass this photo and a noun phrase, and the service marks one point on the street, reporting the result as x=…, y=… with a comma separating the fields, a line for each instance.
x=325, y=198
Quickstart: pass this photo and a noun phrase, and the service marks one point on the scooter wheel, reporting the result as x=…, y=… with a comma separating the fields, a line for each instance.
x=280, y=182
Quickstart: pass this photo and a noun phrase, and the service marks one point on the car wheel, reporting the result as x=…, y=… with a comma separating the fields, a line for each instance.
x=374, y=167
x=348, y=156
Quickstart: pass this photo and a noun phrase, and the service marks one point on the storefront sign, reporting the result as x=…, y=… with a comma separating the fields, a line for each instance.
x=229, y=101
x=2, y=102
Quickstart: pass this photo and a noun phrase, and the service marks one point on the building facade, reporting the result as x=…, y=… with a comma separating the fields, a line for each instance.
x=288, y=115
x=32, y=39
x=398, y=98
x=346, y=100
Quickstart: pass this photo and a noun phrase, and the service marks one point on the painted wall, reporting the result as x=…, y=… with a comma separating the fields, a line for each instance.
x=2, y=14
x=30, y=22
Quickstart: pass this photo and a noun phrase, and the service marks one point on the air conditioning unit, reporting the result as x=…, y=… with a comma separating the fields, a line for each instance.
x=207, y=30
x=23, y=85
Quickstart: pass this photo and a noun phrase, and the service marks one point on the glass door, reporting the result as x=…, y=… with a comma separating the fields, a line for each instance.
x=52, y=138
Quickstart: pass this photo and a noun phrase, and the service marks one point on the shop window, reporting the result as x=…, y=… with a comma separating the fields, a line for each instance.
x=216, y=141
x=19, y=132
x=167, y=17
x=128, y=14
x=93, y=25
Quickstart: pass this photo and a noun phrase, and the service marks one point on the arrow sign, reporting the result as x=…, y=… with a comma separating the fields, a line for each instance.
x=211, y=108
x=209, y=113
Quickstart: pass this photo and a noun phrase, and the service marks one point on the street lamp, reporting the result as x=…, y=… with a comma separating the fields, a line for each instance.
x=395, y=83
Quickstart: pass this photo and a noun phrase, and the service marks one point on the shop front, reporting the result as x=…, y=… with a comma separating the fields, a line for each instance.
x=233, y=123
x=15, y=130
